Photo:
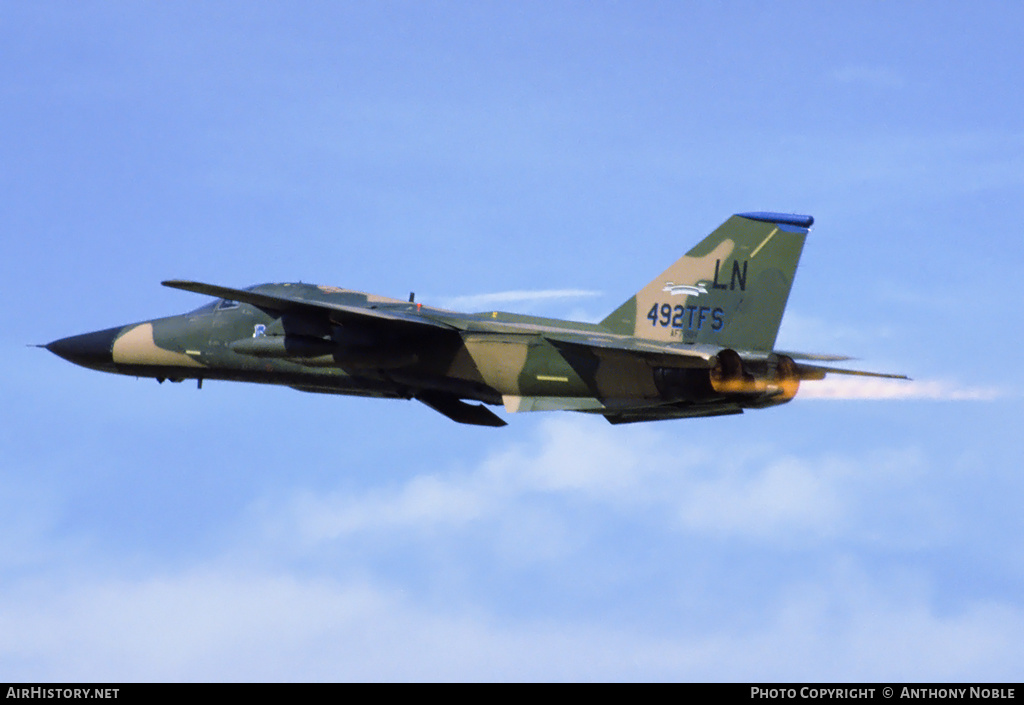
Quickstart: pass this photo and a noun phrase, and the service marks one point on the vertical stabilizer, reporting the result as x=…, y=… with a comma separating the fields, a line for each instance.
x=730, y=290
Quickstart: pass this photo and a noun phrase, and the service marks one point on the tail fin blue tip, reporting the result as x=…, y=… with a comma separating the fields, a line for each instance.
x=801, y=221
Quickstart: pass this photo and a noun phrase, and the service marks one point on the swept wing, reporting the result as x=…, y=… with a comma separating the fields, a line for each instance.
x=338, y=313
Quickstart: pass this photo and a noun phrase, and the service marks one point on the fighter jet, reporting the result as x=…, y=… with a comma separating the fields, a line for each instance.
x=698, y=340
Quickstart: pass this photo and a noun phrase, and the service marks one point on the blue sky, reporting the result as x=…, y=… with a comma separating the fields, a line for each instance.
x=496, y=154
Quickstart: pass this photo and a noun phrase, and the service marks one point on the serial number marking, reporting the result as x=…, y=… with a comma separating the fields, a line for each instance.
x=686, y=317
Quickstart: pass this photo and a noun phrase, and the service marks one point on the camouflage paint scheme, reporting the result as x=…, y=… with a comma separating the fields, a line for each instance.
x=697, y=341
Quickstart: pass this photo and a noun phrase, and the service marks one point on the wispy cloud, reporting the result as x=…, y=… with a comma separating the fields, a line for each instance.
x=754, y=494
x=477, y=302
x=222, y=623
x=800, y=331
x=840, y=387
x=300, y=594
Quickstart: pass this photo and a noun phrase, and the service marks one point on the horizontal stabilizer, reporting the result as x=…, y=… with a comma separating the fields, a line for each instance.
x=813, y=356
x=814, y=372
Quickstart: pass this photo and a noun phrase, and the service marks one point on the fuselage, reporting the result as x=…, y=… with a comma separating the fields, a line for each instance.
x=236, y=341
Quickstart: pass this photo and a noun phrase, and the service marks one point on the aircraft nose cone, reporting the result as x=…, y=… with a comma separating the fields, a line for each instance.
x=92, y=350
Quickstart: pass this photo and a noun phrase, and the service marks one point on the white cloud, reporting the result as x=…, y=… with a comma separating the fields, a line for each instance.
x=809, y=333
x=785, y=495
x=753, y=494
x=297, y=608
x=214, y=624
x=479, y=302
x=423, y=503
x=570, y=457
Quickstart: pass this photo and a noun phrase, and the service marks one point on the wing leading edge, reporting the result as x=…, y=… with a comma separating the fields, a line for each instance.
x=339, y=313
